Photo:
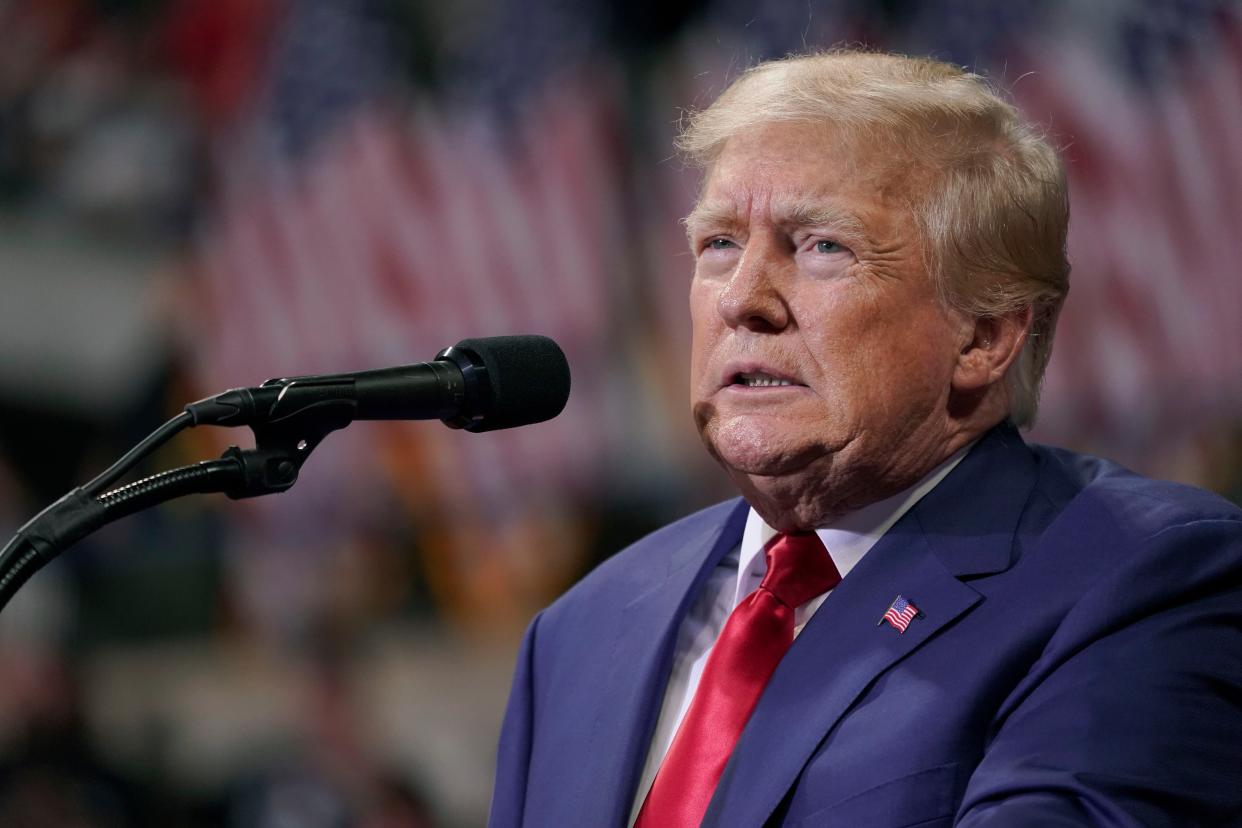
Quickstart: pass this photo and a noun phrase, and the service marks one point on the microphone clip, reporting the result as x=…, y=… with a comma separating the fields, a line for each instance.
x=281, y=447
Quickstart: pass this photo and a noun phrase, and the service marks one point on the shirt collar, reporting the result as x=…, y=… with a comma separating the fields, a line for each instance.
x=847, y=538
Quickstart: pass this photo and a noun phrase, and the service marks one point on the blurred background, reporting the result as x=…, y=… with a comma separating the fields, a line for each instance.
x=202, y=194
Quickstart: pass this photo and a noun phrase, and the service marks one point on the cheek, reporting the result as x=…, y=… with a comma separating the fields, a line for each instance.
x=703, y=300
x=844, y=331
x=871, y=350
x=912, y=357
x=705, y=324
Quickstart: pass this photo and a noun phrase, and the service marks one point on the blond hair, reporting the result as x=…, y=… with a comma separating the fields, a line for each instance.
x=996, y=212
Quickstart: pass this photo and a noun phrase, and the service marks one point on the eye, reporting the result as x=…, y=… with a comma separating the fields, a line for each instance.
x=719, y=244
x=827, y=246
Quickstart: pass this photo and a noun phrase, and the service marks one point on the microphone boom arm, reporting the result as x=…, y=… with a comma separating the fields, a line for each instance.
x=477, y=384
x=272, y=466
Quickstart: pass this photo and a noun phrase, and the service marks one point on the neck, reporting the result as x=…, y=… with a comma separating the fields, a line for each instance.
x=842, y=482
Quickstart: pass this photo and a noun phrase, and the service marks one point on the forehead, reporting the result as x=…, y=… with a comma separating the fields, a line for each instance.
x=785, y=167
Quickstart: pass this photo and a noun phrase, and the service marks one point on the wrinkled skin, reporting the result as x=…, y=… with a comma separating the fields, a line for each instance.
x=809, y=270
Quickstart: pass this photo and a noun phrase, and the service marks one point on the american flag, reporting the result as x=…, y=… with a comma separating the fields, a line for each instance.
x=899, y=614
x=360, y=224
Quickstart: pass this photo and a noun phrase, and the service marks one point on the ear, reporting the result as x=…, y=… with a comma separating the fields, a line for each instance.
x=994, y=343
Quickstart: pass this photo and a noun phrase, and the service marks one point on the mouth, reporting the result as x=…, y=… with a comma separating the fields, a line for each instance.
x=760, y=379
x=742, y=375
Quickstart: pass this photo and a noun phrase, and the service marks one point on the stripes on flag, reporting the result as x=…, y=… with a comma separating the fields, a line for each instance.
x=900, y=613
x=357, y=224
x=1154, y=232
x=377, y=232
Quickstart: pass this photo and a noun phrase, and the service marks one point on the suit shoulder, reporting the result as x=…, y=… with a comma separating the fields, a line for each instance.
x=1098, y=490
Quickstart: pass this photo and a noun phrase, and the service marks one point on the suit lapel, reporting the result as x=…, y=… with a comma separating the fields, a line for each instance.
x=636, y=670
x=963, y=527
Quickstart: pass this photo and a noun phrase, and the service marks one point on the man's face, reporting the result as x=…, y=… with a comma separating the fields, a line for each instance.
x=822, y=358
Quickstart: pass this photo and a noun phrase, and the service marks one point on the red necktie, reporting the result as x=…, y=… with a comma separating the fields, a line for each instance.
x=753, y=640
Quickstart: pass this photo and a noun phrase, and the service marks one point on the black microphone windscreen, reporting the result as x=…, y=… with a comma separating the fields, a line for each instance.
x=528, y=376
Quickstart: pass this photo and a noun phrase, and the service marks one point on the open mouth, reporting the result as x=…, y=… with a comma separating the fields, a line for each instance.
x=759, y=379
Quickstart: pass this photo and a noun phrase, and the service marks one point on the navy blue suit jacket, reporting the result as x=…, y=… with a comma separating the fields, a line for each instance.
x=1079, y=662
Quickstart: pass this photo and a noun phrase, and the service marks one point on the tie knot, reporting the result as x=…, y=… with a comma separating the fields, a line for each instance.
x=799, y=568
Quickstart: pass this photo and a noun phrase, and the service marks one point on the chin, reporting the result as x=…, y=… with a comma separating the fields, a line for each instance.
x=757, y=454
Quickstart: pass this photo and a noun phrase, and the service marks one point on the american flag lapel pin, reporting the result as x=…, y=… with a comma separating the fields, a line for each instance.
x=900, y=613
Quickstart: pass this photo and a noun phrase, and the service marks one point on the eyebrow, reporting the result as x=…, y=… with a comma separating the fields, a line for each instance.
x=717, y=214
x=798, y=212
x=809, y=213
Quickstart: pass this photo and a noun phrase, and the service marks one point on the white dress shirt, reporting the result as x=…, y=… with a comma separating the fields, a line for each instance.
x=737, y=575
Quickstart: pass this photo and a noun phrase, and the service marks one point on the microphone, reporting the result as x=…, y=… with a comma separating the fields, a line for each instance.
x=478, y=384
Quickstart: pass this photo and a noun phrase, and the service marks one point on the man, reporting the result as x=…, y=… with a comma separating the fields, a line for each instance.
x=989, y=633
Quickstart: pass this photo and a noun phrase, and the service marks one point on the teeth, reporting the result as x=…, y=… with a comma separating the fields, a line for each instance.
x=760, y=380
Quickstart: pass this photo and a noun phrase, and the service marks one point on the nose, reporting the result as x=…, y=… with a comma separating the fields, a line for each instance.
x=752, y=298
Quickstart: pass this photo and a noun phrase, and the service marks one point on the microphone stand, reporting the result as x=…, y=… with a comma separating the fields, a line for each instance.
x=281, y=447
